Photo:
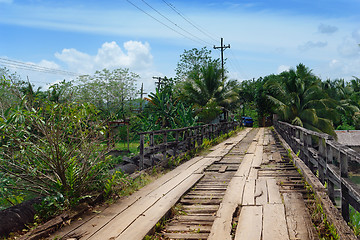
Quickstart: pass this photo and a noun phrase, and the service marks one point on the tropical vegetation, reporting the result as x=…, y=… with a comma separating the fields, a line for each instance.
x=53, y=142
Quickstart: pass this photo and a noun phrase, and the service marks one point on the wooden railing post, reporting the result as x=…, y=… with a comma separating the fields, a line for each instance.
x=141, y=164
x=151, y=145
x=345, y=211
x=177, y=143
x=322, y=166
x=165, y=143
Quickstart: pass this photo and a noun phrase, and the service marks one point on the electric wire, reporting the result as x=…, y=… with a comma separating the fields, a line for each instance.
x=148, y=14
x=34, y=67
x=187, y=20
x=207, y=43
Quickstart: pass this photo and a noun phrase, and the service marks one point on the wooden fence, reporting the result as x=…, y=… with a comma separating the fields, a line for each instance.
x=328, y=160
x=172, y=142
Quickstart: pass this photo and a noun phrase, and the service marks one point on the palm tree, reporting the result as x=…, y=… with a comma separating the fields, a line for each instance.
x=209, y=92
x=341, y=92
x=300, y=100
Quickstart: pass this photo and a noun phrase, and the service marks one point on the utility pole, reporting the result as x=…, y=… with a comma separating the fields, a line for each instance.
x=222, y=49
x=142, y=95
x=159, y=82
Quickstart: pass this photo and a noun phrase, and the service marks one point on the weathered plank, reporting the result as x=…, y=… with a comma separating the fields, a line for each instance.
x=249, y=193
x=123, y=220
x=273, y=191
x=145, y=222
x=245, y=166
x=185, y=236
x=250, y=223
x=261, y=193
x=297, y=217
x=274, y=225
x=223, y=169
x=251, y=149
x=93, y=224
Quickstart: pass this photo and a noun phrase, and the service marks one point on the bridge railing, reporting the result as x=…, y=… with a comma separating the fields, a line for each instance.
x=328, y=160
x=171, y=142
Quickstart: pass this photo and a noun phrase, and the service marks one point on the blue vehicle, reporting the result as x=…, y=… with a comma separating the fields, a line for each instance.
x=247, y=121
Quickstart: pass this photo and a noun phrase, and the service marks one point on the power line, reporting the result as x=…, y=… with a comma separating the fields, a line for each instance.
x=187, y=20
x=175, y=23
x=33, y=67
x=140, y=9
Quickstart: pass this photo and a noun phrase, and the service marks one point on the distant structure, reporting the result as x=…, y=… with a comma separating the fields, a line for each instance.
x=350, y=138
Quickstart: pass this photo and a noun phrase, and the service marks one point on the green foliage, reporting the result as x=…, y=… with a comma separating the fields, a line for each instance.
x=165, y=110
x=118, y=179
x=52, y=149
x=110, y=91
x=191, y=61
x=8, y=196
x=355, y=221
x=209, y=93
x=300, y=100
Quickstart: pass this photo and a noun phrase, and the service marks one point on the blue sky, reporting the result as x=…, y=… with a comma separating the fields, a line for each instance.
x=265, y=36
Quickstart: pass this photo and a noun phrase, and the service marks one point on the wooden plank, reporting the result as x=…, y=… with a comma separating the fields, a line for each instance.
x=273, y=191
x=297, y=217
x=265, y=159
x=123, y=220
x=223, y=169
x=253, y=174
x=245, y=166
x=249, y=193
x=250, y=223
x=96, y=222
x=274, y=225
x=251, y=149
x=186, y=227
x=277, y=157
x=185, y=236
x=145, y=222
x=261, y=193
x=221, y=228
x=258, y=156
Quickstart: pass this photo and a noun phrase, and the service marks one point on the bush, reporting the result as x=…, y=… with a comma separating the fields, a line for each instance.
x=52, y=150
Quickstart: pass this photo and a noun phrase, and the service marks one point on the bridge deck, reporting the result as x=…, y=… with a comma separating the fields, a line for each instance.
x=262, y=200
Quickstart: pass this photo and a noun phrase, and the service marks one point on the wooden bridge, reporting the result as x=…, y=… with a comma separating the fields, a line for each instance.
x=247, y=187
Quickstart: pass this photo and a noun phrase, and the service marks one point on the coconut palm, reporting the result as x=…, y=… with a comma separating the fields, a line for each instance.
x=209, y=92
x=300, y=100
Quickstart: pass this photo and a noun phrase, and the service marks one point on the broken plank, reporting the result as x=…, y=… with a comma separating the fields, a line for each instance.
x=221, y=228
x=261, y=193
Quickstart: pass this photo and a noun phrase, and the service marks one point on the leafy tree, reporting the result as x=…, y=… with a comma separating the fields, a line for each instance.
x=8, y=82
x=191, y=61
x=301, y=101
x=110, y=91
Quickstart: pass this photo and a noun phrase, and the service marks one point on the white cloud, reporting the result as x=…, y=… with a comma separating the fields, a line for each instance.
x=137, y=58
x=283, y=68
x=310, y=44
x=327, y=29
